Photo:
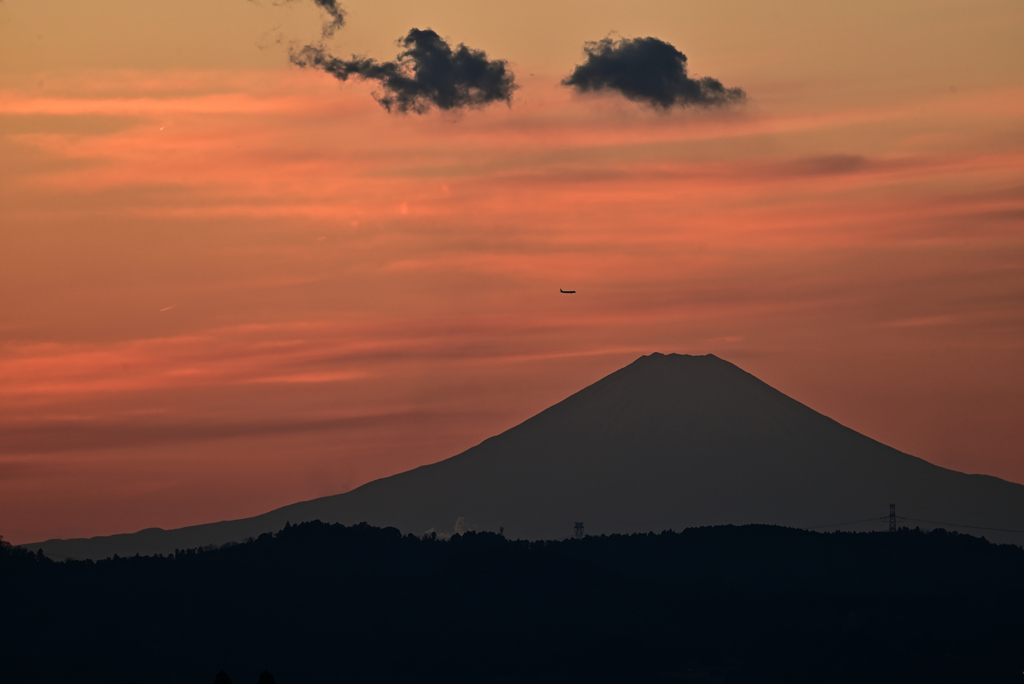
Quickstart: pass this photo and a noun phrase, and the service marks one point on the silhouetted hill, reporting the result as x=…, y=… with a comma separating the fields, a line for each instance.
x=667, y=442
x=321, y=603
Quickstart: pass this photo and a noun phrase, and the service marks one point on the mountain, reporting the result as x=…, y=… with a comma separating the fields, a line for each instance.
x=668, y=442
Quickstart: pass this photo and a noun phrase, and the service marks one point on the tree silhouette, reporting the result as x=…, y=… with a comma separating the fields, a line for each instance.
x=738, y=604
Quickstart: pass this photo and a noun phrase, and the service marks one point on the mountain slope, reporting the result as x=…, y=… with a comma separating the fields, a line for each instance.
x=666, y=442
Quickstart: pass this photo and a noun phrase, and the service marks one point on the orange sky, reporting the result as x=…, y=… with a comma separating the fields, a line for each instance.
x=228, y=284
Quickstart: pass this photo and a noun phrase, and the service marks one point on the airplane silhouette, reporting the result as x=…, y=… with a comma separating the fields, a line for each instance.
x=566, y=291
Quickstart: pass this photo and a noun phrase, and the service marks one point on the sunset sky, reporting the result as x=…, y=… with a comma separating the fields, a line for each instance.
x=229, y=283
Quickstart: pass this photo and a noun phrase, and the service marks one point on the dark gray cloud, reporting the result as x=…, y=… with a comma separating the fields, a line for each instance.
x=427, y=73
x=335, y=13
x=647, y=70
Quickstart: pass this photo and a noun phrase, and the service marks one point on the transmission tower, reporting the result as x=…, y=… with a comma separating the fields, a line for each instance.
x=579, y=530
x=892, y=519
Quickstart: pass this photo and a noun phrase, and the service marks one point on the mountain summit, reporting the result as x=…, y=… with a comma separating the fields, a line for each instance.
x=669, y=441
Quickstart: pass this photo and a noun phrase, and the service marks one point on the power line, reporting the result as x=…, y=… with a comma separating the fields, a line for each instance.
x=919, y=520
x=971, y=527
x=850, y=522
x=891, y=519
x=750, y=519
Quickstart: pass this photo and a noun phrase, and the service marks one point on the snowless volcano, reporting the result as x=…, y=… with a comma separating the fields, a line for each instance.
x=668, y=442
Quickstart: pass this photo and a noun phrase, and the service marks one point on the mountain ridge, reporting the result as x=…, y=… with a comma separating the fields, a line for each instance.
x=668, y=441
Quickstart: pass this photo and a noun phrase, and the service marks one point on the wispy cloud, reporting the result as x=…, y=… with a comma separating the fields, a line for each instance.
x=335, y=16
x=335, y=13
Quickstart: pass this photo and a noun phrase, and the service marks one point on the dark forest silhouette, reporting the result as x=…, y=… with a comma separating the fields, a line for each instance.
x=319, y=603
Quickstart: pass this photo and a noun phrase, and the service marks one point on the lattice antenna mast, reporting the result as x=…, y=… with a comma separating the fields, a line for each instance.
x=579, y=531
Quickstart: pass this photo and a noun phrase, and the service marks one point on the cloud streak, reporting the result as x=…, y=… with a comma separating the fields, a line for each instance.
x=427, y=73
x=647, y=70
x=74, y=436
x=450, y=307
